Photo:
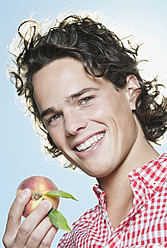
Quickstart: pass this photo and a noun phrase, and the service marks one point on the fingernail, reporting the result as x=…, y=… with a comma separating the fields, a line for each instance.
x=46, y=204
x=26, y=192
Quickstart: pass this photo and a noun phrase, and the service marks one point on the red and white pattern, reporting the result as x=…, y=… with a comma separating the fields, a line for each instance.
x=144, y=227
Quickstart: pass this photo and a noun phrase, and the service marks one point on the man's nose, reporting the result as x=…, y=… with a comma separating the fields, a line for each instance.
x=74, y=122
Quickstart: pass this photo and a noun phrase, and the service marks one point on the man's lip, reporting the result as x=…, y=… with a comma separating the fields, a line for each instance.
x=85, y=139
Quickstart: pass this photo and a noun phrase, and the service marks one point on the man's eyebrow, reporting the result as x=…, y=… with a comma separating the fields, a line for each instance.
x=68, y=99
x=46, y=112
x=79, y=93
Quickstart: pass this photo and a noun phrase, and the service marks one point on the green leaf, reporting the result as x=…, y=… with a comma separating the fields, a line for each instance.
x=60, y=193
x=58, y=220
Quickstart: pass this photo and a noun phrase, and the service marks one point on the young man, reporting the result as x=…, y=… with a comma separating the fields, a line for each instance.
x=85, y=92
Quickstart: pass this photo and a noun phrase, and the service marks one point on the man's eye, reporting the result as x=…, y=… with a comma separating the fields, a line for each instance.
x=86, y=99
x=54, y=118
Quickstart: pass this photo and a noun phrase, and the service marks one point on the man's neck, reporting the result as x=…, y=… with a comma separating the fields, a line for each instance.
x=119, y=195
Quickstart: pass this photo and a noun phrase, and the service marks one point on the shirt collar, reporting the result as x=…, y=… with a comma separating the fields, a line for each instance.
x=153, y=174
x=100, y=194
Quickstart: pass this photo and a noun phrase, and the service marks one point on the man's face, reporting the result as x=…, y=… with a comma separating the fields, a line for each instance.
x=88, y=119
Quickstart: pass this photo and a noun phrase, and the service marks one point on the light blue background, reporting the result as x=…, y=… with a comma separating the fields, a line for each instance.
x=20, y=146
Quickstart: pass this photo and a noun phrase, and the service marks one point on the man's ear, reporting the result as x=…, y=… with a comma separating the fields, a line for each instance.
x=133, y=90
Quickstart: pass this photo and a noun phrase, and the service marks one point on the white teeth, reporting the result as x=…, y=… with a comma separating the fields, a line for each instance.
x=83, y=146
x=95, y=138
x=98, y=136
x=91, y=140
x=88, y=143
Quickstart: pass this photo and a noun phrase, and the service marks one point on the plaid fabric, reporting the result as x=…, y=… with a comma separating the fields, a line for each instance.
x=146, y=224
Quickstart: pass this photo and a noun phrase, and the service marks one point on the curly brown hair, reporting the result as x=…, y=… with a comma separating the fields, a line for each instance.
x=101, y=52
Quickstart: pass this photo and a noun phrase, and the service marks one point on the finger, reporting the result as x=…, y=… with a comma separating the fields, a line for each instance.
x=31, y=222
x=14, y=216
x=39, y=233
x=47, y=241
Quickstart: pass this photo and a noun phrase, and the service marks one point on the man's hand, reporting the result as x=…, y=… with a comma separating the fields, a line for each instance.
x=35, y=231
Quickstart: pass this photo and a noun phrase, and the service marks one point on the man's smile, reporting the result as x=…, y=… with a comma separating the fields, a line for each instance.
x=89, y=142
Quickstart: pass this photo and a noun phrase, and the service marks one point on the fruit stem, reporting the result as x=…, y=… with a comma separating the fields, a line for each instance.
x=36, y=196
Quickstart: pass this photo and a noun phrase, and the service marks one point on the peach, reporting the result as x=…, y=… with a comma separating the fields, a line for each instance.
x=39, y=185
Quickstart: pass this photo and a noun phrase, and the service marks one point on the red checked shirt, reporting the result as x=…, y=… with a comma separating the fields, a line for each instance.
x=144, y=227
